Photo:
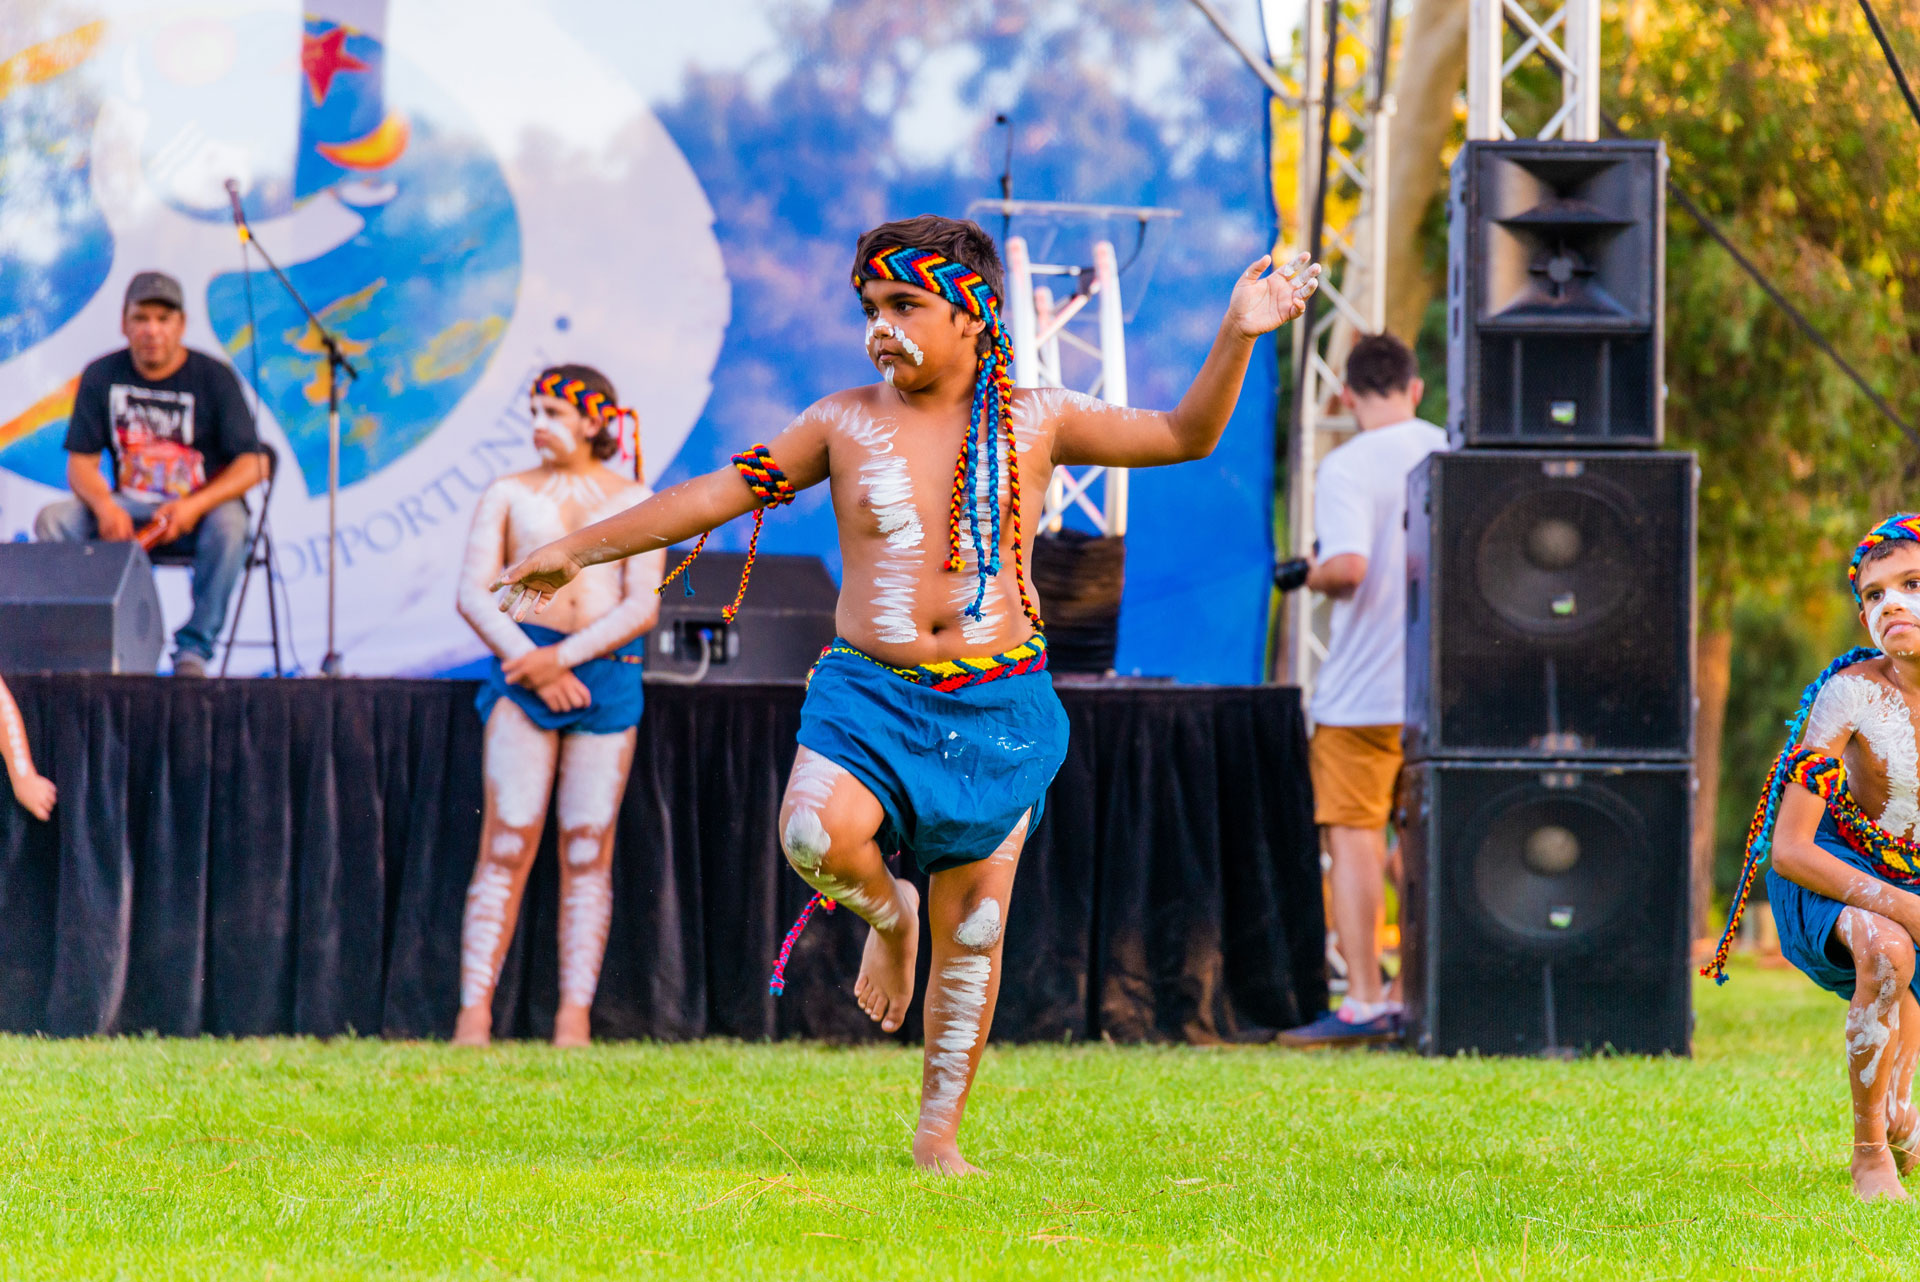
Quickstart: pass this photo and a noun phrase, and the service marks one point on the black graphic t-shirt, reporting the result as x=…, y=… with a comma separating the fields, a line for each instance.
x=167, y=437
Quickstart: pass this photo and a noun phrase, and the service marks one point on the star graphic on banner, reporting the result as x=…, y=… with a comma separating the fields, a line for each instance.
x=322, y=57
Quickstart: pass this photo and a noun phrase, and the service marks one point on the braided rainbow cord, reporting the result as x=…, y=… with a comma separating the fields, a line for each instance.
x=594, y=406
x=1905, y=525
x=990, y=421
x=777, y=984
x=1793, y=758
x=770, y=485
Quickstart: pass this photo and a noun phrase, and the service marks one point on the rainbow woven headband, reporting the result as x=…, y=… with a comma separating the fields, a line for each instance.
x=1904, y=526
x=593, y=405
x=990, y=424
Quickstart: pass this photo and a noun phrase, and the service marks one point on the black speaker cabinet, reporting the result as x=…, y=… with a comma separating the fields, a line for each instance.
x=78, y=607
x=1555, y=281
x=785, y=622
x=1546, y=907
x=1550, y=605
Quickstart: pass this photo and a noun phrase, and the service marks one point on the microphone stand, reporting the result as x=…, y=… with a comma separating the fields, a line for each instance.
x=336, y=362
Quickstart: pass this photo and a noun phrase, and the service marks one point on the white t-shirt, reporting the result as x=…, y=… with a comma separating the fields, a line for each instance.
x=1360, y=505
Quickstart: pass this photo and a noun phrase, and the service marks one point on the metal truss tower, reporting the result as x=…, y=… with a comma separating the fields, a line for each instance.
x=1567, y=35
x=1351, y=212
x=1086, y=318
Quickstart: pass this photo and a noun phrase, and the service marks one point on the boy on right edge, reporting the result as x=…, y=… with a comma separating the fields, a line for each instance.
x=1360, y=560
x=1845, y=848
x=931, y=726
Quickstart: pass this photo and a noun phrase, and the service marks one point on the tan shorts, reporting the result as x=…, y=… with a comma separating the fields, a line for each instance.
x=1355, y=770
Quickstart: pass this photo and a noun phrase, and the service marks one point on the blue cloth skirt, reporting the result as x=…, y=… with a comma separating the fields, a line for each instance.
x=1805, y=918
x=953, y=769
x=612, y=679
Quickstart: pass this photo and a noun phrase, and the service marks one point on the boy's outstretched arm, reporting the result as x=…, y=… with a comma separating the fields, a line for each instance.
x=32, y=789
x=686, y=511
x=1091, y=433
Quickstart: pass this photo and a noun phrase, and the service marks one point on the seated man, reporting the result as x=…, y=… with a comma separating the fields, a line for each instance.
x=184, y=452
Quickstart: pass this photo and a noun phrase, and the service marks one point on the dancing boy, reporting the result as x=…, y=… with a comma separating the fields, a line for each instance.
x=566, y=693
x=931, y=726
x=1845, y=848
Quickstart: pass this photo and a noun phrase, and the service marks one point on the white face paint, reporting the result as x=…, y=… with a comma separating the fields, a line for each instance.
x=552, y=439
x=586, y=913
x=981, y=929
x=481, y=933
x=1879, y=714
x=966, y=978
x=519, y=759
x=878, y=329
x=1907, y=601
x=805, y=839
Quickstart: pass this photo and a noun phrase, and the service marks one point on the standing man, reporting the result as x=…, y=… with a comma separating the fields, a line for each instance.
x=1360, y=560
x=184, y=452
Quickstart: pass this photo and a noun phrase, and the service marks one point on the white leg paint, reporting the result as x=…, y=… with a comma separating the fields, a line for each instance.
x=804, y=839
x=981, y=929
x=593, y=772
x=507, y=845
x=965, y=994
x=481, y=933
x=519, y=764
x=1008, y=851
x=586, y=912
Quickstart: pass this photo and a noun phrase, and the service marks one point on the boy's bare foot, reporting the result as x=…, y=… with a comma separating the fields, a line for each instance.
x=1874, y=1174
x=571, y=1026
x=885, y=986
x=474, y=1027
x=942, y=1157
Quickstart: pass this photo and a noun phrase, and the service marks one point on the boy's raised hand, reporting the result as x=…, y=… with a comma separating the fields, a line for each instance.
x=1263, y=303
x=531, y=582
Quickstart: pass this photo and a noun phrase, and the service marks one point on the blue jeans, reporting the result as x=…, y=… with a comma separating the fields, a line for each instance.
x=218, y=546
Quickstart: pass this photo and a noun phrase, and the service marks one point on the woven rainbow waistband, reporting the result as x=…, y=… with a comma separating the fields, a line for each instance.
x=1897, y=858
x=956, y=674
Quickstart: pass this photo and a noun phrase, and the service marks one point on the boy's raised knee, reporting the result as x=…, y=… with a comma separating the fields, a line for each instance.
x=804, y=840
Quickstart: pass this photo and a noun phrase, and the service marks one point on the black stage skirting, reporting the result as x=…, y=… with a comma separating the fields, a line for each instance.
x=271, y=857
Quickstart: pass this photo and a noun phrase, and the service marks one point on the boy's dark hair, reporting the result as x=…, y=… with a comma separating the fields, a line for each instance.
x=607, y=443
x=1881, y=551
x=961, y=239
x=1380, y=365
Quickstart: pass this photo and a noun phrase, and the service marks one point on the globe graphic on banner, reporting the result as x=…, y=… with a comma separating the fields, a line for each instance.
x=454, y=237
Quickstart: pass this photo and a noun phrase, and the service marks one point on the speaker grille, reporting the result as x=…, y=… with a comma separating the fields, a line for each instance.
x=1547, y=906
x=1550, y=602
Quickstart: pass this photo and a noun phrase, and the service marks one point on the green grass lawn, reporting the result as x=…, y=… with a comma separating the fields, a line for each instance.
x=283, y=1159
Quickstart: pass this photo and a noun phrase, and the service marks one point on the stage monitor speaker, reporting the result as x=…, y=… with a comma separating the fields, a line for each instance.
x=1546, y=907
x=78, y=607
x=1550, y=605
x=1555, y=281
x=784, y=623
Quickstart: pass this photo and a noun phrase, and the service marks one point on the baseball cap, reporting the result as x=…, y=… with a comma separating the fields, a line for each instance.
x=156, y=287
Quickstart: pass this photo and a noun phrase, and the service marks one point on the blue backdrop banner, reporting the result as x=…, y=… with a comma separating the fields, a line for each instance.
x=469, y=189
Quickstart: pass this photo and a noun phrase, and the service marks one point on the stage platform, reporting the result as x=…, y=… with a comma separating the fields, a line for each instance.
x=273, y=857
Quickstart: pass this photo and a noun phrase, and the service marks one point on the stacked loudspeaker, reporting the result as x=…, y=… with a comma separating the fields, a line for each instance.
x=1550, y=559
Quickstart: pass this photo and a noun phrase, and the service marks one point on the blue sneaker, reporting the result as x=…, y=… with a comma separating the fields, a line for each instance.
x=1331, y=1030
